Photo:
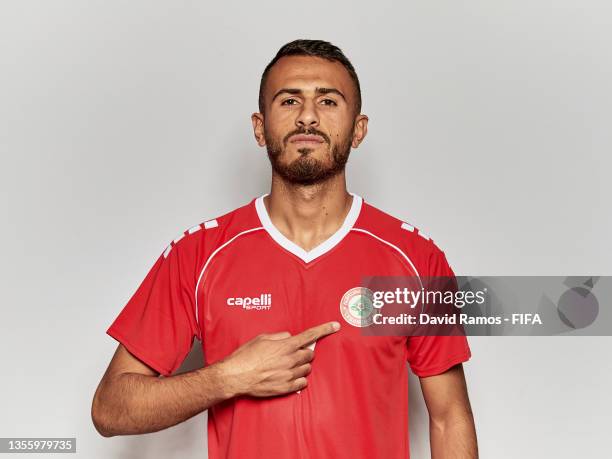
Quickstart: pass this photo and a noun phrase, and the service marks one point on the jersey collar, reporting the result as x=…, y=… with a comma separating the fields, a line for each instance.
x=322, y=248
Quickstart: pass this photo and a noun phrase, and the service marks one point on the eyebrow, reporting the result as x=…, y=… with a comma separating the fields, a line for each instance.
x=317, y=91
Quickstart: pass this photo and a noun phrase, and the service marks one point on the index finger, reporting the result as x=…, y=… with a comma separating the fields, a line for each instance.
x=310, y=335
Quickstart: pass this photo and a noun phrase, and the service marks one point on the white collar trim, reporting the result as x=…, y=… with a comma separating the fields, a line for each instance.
x=322, y=248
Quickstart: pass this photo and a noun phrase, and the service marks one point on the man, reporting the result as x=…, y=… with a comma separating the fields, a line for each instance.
x=262, y=285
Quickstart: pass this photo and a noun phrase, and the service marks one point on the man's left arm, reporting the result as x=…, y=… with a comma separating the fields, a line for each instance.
x=452, y=431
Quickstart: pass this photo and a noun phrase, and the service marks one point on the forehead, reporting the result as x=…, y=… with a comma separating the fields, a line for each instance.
x=308, y=72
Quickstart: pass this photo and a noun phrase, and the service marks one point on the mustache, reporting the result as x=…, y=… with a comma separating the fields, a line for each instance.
x=306, y=132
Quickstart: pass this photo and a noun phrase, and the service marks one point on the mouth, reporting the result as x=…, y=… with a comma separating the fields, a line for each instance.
x=306, y=139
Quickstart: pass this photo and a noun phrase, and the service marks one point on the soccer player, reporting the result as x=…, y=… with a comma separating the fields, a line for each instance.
x=273, y=292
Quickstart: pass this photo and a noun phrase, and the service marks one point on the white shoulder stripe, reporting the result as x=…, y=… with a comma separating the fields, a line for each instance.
x=212, y=255
x=208, y=224
x=423, y=235
x=409, y=227
x=211, y=224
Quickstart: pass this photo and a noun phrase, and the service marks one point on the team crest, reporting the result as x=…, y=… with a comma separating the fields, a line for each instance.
x=357, y=307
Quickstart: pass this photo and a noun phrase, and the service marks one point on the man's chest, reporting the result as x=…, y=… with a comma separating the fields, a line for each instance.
x=255, y=290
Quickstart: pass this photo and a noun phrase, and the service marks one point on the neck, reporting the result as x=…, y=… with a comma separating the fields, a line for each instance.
x=308, y=215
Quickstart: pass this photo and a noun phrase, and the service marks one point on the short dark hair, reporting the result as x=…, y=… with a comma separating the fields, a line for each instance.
x=315, y=48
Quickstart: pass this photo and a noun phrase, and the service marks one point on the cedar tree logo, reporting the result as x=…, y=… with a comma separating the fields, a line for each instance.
x=357, y=307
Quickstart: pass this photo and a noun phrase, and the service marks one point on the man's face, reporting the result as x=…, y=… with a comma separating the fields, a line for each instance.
x=310, y=122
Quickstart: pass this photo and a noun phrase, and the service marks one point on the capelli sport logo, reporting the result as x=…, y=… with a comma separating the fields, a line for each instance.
x=262, y=302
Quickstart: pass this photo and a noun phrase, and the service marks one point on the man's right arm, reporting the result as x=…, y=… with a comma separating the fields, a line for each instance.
x=132, y=399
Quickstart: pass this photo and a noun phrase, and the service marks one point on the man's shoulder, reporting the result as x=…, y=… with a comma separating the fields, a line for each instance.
x=213, y=232
x=381, y=222
x=399, y=233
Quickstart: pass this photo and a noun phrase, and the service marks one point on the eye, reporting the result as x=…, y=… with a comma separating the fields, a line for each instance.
x=284, y=102
x=333, y=102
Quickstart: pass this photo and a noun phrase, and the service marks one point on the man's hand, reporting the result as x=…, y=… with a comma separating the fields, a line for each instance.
x=132, y=399
x=273, y=363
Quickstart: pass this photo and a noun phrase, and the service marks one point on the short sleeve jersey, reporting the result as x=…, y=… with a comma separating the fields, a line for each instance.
x=234, y=277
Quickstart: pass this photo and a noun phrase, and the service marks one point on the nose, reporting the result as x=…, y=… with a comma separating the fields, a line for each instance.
x=308, y=116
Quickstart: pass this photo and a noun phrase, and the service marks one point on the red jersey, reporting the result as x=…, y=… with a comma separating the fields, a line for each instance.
x=232, y=278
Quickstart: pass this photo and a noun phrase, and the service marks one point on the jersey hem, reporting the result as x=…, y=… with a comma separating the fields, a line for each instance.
x=442, y=367
x=137, y=351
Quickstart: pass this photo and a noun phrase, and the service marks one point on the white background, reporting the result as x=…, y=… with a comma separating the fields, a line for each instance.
x=124, y=123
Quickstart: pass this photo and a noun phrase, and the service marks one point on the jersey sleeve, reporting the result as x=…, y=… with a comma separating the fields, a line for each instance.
x=432, y=355
x=158, y=323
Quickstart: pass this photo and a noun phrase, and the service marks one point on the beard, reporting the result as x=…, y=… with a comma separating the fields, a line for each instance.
x=306, y=170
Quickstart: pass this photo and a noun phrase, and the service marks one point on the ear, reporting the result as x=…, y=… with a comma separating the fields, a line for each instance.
x=258, y=128
x=360, y=130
